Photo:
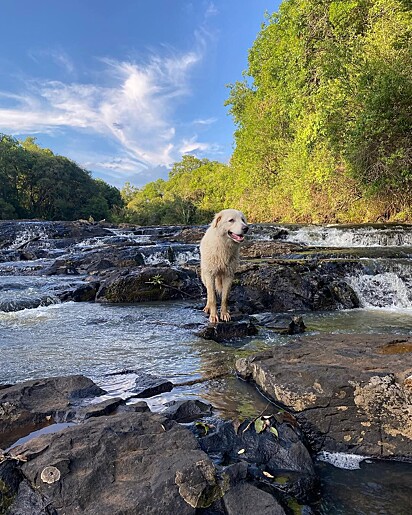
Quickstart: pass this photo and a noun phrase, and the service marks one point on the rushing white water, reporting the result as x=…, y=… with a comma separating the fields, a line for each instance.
x=347, y=236
x=31, y=231
x=384, y=290
x=341, y=459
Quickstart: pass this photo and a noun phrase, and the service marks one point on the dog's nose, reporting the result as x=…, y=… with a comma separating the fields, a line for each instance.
x=245, y=228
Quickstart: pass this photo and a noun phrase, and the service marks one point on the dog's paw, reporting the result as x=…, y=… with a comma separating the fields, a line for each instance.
x=225, y=316
x=214, y=319
x=206, y=309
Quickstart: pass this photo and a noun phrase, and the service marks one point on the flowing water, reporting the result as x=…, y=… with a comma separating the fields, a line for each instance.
x=40, y=336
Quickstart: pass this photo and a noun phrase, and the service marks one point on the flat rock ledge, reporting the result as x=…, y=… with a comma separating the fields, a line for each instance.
x=348, y=392
x=116, y=458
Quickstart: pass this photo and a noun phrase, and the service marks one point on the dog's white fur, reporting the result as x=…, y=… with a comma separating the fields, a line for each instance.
x=219, y=256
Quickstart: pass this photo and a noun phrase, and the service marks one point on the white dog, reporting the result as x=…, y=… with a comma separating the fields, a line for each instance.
x=219, y=256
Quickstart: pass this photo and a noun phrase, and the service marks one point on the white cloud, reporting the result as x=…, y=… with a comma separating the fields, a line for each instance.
x=132, y=104
x=192, y=146
x=205, y=121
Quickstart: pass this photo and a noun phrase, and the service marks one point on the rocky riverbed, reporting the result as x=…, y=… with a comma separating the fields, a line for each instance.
x=86, y=449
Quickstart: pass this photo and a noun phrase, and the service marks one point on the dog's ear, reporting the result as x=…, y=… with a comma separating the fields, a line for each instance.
x=216, y=219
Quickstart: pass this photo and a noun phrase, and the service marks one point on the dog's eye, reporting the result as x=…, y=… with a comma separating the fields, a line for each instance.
x=231, y=220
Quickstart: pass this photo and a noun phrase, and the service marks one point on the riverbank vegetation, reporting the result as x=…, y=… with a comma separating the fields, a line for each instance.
x=323, y=124
x=35, y=183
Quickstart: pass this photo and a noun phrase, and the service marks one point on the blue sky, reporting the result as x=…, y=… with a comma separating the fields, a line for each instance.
x=125, y=88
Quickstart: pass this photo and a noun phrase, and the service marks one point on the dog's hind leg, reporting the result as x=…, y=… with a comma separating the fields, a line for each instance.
x=226, y=285
x=211, y=305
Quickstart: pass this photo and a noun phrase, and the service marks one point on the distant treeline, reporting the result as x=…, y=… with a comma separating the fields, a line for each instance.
x=323, y=124
x=35, y=183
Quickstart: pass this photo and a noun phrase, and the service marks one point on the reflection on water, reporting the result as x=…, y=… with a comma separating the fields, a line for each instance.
x=382, y=488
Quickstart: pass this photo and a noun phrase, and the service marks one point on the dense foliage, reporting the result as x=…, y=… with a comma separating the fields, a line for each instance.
x=323, y=123
x=35, y=183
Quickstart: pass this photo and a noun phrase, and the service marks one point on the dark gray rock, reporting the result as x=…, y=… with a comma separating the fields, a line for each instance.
x=137, y=407
x=99, y=409
x=30, y=405
x=147, y=385
x=282, y=324
x=84, y=293
x=246, y=499
x=148, y=284
x=226, y=331
x=269, y=455
x=187, y=411
x=127, y=463
x=349, y=392
x=293, y=287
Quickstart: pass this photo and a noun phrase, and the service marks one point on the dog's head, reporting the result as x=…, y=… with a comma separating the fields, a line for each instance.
x=231, y=222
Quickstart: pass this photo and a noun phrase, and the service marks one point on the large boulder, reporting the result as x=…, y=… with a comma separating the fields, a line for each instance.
x=149, y=284
x=127, y=463
x=349, y=392
x=273, y=450
x=279, y=288
x=29, y=405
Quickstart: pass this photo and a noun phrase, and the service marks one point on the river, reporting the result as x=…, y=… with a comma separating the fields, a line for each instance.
x=40, y=336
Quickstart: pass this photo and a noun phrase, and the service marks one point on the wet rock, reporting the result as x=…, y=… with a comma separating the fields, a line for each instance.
x=280, y=288
x=246, y=499
x=148, y=284
x=12, y=305
x=226, y=331
x=199, y=486
x=281, y=324
x=270, y=453
x=29, y=405
x=147, y=385
x=83, y=293
x=264, y=249
x=187, y=411
x=99, y=409
x=137, y=407
x=347, y=391
x=190, y=235
x=127, y=463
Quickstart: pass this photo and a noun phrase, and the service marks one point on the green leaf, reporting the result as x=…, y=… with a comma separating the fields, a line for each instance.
x=274, y=431
x=202, y=425
x=259, y=425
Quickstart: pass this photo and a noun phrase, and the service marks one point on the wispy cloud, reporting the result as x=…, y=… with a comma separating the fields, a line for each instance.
x=130, y=103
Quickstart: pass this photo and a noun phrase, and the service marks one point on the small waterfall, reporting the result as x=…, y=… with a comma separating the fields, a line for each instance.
x=31, y=231
x=384, y=290
x=170, y=254
x=344, y=236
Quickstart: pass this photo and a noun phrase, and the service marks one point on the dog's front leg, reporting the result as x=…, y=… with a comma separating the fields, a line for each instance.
x=211, y=305
x=226, y=285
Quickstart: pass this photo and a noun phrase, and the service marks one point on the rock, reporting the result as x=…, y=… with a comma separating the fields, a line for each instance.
x=148, y=284
x=127, y=463
x=147, y=385
x=226, y=331
x=99, y=409
x=281, y=324
x=137, y=407
x=190, y=235
x=293, y=287
x=84, y=293
x=30, y=405
x=349, y=392
x=246, y=499
x=278, y=453
x=199, y=485
x=187, y=411
x=264, y=249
